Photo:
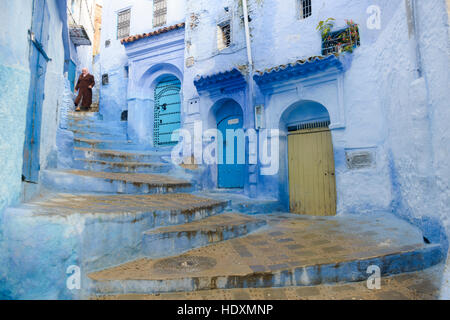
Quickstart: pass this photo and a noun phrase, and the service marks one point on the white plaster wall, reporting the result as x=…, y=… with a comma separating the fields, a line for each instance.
x=113, y=59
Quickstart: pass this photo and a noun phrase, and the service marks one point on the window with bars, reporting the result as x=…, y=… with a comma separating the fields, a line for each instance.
x=305, y=8
x=343, y=40
x=159, y=13
x=105, y=79
x=123, y=23
x=223, y=35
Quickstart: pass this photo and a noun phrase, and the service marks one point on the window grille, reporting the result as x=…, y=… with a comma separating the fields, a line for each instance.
x=305, y=9
x=159, y=13
x=342, y=40
x=105, y=79
x=309, y=125
x=223, y=36
x=123, y=23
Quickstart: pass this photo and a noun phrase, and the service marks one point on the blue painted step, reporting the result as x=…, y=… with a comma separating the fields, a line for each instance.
x=119, y=156
x=118, y=145
x=168, y=241
x=125, y=167
x=108, y=182
x=113, y=135
x=99, y=127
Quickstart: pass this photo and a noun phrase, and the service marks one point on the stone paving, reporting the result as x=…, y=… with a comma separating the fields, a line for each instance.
x=423, y=285
x=290, y=241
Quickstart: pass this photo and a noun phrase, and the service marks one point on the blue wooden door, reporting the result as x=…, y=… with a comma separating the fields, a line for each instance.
x=167, y=110
x=230, y=175
x=72, y=74
x=38, y=67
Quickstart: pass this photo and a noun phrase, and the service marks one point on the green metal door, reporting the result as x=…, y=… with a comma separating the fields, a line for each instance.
x=167, y=110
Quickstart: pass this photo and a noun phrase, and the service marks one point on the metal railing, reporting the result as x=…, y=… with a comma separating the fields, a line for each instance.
x=340, y=41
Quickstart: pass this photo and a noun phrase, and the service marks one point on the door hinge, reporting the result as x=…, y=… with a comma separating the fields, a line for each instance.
x=38, y=45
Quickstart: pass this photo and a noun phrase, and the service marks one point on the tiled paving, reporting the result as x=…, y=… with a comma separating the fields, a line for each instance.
x=291, y=241
x=423, y=285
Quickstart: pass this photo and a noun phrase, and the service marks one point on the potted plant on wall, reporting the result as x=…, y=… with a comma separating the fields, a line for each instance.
x=339, y=41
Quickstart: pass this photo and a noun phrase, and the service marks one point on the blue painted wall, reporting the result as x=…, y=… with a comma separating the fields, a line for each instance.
x=15, y=74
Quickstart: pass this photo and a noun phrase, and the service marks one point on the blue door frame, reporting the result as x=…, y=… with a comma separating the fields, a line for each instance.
x=167, y=110
x=38, y=66
x=230, y=175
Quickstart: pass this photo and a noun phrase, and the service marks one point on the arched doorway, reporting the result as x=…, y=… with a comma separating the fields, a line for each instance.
x=311, y=171
x=231, y=170
x=167, y=110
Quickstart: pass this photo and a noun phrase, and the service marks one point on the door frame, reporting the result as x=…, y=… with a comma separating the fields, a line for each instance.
x=39, y=36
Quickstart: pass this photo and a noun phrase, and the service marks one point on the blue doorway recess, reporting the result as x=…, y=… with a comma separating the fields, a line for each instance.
x=72, y=74
x=167, y=110
x=230, y=175
x=39, y=34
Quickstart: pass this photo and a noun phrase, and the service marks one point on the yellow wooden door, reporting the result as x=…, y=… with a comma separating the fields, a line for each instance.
x=312, y=184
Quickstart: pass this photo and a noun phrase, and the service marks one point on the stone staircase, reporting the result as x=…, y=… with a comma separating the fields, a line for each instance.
x=137, y=225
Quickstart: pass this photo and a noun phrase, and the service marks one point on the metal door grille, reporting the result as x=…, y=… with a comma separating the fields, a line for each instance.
x=309, y=125
x=167, y=110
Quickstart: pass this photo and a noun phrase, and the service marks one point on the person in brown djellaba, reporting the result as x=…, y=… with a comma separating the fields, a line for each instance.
x=84, y=87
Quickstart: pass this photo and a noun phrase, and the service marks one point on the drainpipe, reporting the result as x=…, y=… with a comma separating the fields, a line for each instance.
x=251, y=98
x=247, y=34
x=249, y=54
x=412, y=4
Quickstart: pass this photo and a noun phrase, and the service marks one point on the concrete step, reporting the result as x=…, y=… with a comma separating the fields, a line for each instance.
x=244, y=204
x=90, y=231
x=292, y=251
x=94, y=135
x=118, y=145
x=99, y=127
x=421, y=285
x=123, y=167
x=174, y=240
x=84, y=115
x=120, y=156
x=109, y=182
x=93, y=123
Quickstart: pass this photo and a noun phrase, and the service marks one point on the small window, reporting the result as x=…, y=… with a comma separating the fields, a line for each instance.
x=305, y=8
x=105, y=79
x=123, y=24
x=159, y=13
x=107, y=43
x=126, y=72
x=124, y=116
x=223, y=36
